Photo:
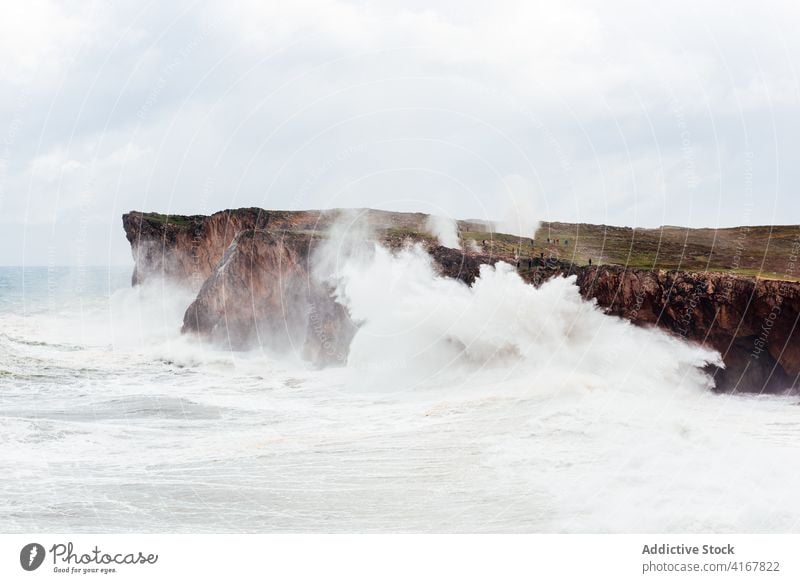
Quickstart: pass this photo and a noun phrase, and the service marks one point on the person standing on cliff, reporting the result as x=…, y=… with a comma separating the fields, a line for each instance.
x=590, y=261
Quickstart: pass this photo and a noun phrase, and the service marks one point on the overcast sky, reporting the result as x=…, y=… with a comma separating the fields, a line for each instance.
x=618, y=112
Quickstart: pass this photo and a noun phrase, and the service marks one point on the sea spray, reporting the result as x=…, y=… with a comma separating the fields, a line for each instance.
x=445, y=230
x=519, y=215
x=434, y=326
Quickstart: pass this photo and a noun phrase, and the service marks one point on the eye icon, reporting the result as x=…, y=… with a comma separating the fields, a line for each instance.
x=31, y=556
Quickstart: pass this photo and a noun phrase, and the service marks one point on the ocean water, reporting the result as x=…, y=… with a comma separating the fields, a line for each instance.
x=499, y=408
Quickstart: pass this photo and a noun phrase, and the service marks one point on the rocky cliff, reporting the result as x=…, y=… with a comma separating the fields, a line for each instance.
x=751, y=322
x=189, y=248
x=252, y=271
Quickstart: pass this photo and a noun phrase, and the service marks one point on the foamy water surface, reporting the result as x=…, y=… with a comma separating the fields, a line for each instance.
x=500, y=408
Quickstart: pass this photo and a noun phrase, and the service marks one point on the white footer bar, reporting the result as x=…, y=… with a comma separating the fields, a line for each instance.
x=401, y=558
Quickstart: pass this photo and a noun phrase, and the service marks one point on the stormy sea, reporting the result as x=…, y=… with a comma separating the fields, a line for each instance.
x=496, y=408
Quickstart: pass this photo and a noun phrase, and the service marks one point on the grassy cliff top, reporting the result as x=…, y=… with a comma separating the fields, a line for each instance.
x=770, y=252
x=758, y=251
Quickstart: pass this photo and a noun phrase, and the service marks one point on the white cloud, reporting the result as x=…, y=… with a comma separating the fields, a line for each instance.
x=432, y=106
x=39, y=37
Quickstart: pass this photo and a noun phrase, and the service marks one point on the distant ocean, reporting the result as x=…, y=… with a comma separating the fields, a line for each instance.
x=501, y=409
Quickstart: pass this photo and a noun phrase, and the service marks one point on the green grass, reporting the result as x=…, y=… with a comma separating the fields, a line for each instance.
x=399, y=234
x=160, y=219
x=766, y=274
x=760, y=251
x=499, y=243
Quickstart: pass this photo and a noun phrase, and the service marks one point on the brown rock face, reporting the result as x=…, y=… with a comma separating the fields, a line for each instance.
x=187, y=249
x=262, y=294
x=752, y=323
x=184, y=249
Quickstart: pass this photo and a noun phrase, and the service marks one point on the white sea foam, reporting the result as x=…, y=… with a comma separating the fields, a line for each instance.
x=494, y=408
x=435, y=326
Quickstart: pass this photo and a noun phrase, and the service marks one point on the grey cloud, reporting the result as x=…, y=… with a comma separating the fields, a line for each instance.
x=625, y=113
